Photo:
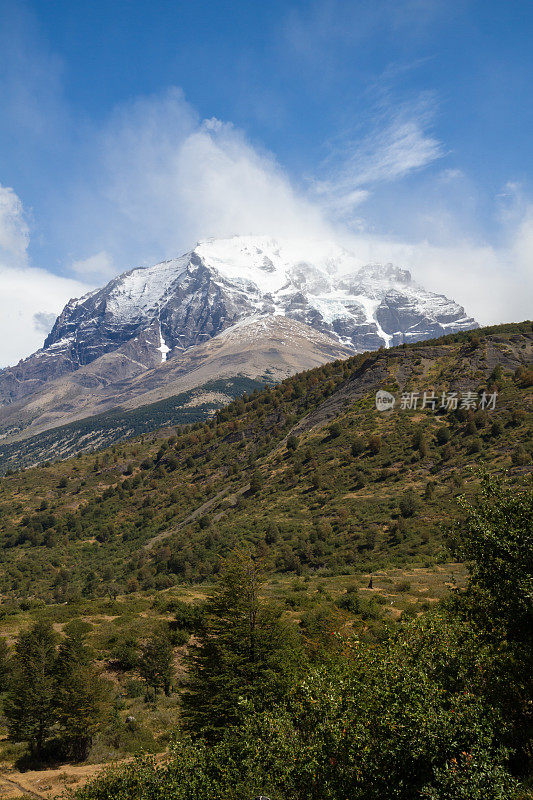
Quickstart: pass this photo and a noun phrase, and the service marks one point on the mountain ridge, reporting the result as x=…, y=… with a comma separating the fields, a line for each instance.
x=267, y=349
x=149, y=329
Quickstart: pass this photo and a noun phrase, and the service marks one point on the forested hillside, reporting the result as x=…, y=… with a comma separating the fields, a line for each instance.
x=347, y=588
x=308, y=472
x=102, y=430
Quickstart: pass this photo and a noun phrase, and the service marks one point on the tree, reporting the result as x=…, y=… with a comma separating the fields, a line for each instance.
x=496, y=541
x=125, y=651
x=429, y=491
x=72, y=651
x=335, y=430
x=358, y=446
x=155, y=662
x=292, y=442
x=420, y=443
x=4, y=664
x=374, y=444
x=82, y=696
x=245, y=652
x=443, y=435
x=272, y=533
x=30, y=707
x=519, y=456
x=317, y=480
x=359, y=479
x=408, y=504
x=255, y=483
x=496, y=428
x=423, y=448
x=476, y=446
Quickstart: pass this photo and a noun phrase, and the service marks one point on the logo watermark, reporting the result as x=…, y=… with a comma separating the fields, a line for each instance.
x=449, y=401
x=385, y=400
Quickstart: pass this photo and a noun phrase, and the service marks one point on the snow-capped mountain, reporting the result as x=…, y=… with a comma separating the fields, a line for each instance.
x=153, y=315
x=194, y=297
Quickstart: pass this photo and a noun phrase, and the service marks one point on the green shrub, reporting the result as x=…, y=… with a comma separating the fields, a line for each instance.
x=403, y=586
x=358, y=447
x=134, y=688
x=335, y=430
x=408, y=504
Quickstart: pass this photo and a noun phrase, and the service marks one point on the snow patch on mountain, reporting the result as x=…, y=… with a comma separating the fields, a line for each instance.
x=163, y=348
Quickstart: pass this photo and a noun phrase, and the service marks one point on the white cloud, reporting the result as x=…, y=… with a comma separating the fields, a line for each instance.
x=14, y=231
x=398, y=144
x=450, y=175
x=169, y=179
x=28, y=297
x=226, y=186
x=97, y=269
x=494, y=283
x=400, y=148
x=210, y=180
x=43, y=321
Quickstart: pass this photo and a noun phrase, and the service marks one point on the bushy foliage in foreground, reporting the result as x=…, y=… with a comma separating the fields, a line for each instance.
x=430, y=715
x=398, y=721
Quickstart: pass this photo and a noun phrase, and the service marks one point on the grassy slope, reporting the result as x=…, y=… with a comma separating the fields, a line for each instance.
x=162, y=508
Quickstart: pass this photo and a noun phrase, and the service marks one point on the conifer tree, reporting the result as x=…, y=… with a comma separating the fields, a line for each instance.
x=4, y=664
x=155, y=663
x=82, y=696
x=30, y=707
x=82, y=706
x=245, y=652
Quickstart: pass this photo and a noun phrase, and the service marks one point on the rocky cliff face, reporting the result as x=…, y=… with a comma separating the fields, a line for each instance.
x=151, y=315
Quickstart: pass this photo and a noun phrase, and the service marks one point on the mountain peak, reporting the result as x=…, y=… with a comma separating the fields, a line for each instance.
x=154, y=314
x=388, y=272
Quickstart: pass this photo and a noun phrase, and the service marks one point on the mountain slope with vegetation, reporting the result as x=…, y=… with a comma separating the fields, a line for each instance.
x=266, y=602
x=102, y=430
x=437, y=709
x=254, y=352
x=307, y=472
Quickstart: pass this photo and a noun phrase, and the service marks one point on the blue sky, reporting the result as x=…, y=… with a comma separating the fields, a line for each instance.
x=130, y=129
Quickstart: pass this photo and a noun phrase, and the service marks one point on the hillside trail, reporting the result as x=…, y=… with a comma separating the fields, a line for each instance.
x=13, y=786
x=45, y=784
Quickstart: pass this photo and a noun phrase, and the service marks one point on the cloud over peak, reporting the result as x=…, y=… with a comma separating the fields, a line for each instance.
x=159, y=178
x=172, y=179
